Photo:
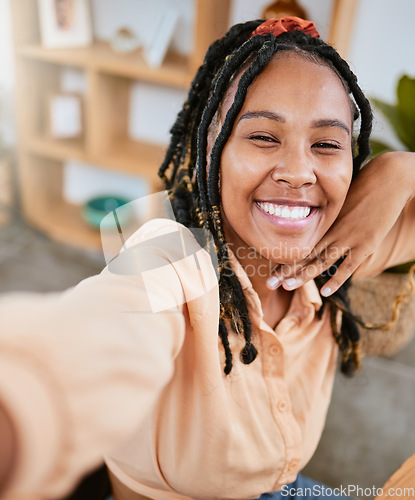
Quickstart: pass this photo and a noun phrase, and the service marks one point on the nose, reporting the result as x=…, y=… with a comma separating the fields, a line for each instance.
x=294, y=169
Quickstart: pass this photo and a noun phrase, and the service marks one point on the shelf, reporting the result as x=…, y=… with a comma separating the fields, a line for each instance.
x=64, y=222
x=133, y=157
x=100, y=57
x=62, y=150
x=128, y=156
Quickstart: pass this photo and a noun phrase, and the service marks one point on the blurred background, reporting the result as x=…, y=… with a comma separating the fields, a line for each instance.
x=88, y=92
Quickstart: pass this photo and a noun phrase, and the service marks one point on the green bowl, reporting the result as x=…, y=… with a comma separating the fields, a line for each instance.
x=96, y=209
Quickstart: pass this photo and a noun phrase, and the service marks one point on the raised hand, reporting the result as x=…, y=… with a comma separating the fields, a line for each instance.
x=374, y=202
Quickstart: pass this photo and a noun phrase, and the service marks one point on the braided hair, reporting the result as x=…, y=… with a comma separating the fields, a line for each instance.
x=194, y=188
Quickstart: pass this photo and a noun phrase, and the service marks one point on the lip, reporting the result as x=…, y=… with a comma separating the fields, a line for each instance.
x=288, y=224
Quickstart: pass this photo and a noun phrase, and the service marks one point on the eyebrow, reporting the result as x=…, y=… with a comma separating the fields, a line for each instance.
x=263, y=114
x=323, y=123
x=331, y=123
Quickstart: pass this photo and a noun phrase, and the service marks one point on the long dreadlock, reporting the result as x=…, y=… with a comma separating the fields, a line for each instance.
x=194, y=188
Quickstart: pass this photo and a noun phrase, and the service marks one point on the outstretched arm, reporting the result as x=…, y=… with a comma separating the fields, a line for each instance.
x=373, y=205
x=80, y=371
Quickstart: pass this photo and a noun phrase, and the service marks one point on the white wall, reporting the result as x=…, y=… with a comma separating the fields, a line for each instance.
x=383, y=45
x=382, y=49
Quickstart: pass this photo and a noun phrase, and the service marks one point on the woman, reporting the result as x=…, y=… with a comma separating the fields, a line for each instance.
x=128, y=364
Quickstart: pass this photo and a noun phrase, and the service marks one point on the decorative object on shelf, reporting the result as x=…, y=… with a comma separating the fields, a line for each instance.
x=95, y=212
x=372, y=297
x=65, y=23
x=125, y=40
x=164, y=22
x=282, y=8
x=65, y=116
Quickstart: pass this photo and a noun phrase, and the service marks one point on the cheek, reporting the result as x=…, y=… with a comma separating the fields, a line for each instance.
x=240, y=168
x=346, y=180
x=230, y=174
x=337, y=182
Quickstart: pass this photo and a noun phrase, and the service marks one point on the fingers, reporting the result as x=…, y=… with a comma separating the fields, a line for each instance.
x=343, y=273
x=292, y=277
x=322, y=263
x=288, y=271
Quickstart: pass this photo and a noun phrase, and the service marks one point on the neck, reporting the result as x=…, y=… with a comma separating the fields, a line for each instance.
x=274, y=303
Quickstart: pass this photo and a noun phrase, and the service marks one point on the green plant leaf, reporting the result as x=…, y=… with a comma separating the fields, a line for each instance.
x=391, y=113
x=379, y=147
x=406, y=108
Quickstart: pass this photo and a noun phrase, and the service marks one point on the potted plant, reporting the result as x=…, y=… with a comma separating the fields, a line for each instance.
x=371, y=298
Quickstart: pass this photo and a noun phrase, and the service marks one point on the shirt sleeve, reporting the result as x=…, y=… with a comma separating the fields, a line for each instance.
x=81, y=370
x=397, y=248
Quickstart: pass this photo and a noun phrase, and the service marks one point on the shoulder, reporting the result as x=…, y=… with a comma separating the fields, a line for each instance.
x=169, y=259
x=153, y=229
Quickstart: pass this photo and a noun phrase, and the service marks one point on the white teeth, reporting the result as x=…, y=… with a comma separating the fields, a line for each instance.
x=286, y=212
x=295, y=213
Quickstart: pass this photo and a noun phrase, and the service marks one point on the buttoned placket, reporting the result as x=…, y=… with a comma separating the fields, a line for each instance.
x=273, y=366
x=307, y=300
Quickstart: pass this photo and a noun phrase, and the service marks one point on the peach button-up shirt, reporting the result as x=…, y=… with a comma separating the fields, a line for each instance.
x=129, y=365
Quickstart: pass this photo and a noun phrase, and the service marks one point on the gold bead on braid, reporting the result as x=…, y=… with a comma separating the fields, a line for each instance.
x=356, y=353
x=202, y=217
x=216, y=218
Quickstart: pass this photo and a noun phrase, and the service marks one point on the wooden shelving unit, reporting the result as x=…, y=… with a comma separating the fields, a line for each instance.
x=105, y=141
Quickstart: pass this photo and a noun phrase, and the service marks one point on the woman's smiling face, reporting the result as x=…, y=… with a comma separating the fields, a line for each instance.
x=287, y=166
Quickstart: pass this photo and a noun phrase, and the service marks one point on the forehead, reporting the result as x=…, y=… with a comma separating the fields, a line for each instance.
x=293, y=79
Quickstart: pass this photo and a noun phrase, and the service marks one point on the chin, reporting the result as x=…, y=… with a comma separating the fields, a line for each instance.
x=287, y=254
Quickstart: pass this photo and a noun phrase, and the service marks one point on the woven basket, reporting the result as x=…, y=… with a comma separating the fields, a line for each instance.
x=371, y=299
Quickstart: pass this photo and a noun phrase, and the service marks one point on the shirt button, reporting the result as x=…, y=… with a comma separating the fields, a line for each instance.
x=274, y=349
x=293, y=465
x=282, y=405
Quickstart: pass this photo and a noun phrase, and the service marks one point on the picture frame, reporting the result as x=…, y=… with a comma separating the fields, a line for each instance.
x=65, y=116
x=65, y=23
x=160, y=33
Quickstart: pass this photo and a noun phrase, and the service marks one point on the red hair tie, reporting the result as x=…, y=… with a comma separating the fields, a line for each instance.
x=284, y=24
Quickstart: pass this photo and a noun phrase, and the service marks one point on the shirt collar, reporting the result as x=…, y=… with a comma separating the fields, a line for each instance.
x=311, y=294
